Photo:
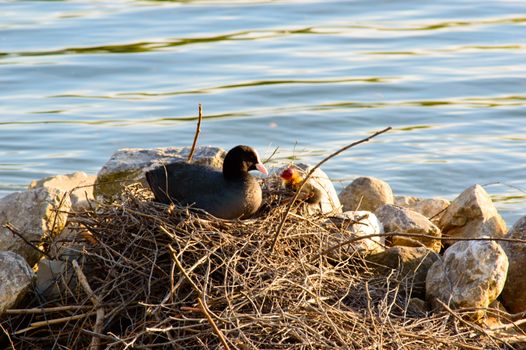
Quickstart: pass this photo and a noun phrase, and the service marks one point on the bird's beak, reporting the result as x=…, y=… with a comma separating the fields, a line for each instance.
x=261, y=168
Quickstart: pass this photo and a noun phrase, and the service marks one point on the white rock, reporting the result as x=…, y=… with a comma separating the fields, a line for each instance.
x=329, y=203
x=402, y=220
x=15, y=279
x=33, y=214
x=431, y=208
x=471, y=274
x=354, y=224
x=366, y=193
x=78, y=184
x=130, y=164
x=471, y=215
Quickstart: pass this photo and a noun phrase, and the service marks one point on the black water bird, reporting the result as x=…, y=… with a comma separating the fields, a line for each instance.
x=228, y=194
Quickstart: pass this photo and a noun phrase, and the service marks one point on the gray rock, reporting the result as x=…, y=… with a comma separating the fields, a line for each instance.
x=52, y=278
x=130, y=164
x=471, y=274
x=329, y=202
x=514, y=292
x=353, y=224
x=412, y=263
x=16, y=277
x=431, y=208
x=471, y=215
x=401, y=220
x=366, y=193
x=78, y=184
x=48, y=276
x=33, y=214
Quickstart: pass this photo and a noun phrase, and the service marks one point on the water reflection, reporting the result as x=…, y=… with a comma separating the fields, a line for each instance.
x=162, y=44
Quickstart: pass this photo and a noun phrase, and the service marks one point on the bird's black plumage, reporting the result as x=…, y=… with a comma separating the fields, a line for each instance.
x=228, y=194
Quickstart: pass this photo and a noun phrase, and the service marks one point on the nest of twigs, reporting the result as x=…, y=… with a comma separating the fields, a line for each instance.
x=168, y=277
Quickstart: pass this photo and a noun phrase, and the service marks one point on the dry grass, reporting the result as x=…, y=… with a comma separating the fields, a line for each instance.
x=171, y=278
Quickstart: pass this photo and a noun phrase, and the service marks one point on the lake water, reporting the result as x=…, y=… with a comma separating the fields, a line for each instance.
x=80, y=79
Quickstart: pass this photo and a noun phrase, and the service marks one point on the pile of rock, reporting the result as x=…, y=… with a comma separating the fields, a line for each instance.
x=30, y=218
x=423, y=240
x=467, y=271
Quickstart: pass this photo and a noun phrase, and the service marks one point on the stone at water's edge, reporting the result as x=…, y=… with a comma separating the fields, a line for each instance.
x=431, y=208
x=130, y=164
x=368, y=224
x=471, y=215
x=15, y=279
x=78, y=184
x=329, y=203
x=412, y=263
x=402, y=220
x=33, y=213
x=471, y=274
x=514, y=292
x=366, y=193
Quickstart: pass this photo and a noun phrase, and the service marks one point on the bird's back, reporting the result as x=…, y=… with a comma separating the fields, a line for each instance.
x=205, y=187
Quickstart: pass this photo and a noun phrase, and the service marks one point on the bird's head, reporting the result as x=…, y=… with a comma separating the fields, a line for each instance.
x=291, y=176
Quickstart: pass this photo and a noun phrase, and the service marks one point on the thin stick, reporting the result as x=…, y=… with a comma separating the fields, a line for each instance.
x=514, y=324
x=200, y=299
x=97, y=328
x=505, y=184
x=197, y=131
x=220, y=334
x=272, y=155
x=54, y=321
x=280, y=227
x=8, y=336
x=419, y=235
x=57, y=209
x=437, y=214
x=14, y=231
x=44, y=310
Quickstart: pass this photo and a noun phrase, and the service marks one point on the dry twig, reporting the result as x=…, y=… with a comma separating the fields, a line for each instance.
x=197, y=131
x=41, y=310
x=97, y=303
x=15, y=232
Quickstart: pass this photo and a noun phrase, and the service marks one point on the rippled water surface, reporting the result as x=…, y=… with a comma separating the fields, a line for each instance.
x=80, y=79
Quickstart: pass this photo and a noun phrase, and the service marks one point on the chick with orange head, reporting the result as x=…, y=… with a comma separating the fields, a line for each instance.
x=292, y=179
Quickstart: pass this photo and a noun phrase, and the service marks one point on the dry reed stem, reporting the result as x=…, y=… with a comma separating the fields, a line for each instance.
x=46, y=310
x=8, y=337
x=197, y=131
x=97, y=328
x=53, y=322
x=16, y=232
